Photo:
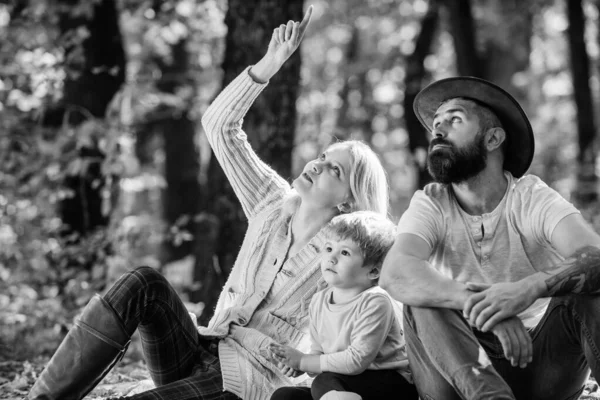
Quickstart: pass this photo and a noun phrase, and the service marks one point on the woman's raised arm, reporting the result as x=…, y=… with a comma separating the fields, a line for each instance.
x=253, y=181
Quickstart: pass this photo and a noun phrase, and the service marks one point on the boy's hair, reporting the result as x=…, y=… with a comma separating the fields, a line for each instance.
x=372, y=232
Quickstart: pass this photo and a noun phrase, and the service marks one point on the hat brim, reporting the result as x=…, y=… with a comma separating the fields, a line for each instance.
x=520, y=140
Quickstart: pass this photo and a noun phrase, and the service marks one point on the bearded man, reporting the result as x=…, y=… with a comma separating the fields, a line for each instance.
x=500, y=275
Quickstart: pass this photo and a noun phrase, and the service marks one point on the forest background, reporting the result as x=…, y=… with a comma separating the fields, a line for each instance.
x=104, y=165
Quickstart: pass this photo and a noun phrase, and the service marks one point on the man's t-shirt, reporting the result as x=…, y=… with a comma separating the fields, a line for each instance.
x=506, y=245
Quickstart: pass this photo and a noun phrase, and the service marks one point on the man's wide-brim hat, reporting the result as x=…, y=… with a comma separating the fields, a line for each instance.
x=519, y=135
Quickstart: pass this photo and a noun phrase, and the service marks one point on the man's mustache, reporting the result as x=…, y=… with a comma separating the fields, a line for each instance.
x=439, y=141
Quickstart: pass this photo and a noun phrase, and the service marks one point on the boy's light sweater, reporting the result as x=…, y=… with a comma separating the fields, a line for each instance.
x=249, y=314
x=363, y=333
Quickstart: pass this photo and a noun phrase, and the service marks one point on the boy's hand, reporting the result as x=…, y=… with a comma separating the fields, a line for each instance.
x=288, y=371
x=286, y=355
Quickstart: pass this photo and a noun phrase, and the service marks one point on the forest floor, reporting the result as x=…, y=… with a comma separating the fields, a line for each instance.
x=128, y=378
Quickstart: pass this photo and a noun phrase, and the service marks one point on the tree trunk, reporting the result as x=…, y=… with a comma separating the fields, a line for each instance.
x=415, y=72
x=95, y=72
x=462, y=27
x=270, y=125
x=181, y=198
x=585, y=190
x=360, y=114
x=352, y=82
x=506, y=39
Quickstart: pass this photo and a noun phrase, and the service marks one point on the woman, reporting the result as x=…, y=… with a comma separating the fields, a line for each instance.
x=267, y=294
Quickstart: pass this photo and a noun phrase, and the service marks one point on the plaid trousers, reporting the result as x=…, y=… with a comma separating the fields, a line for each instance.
x=182, y=364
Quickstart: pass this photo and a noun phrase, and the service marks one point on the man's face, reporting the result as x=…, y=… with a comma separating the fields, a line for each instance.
x=457, y=151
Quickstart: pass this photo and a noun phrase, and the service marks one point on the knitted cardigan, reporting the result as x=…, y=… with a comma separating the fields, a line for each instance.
x=244, y=322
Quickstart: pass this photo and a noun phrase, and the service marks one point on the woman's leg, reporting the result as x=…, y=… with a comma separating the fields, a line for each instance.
x=100, y=337
x=143, y=299
x=371, y=384
x=205, y=383
x=181, y=364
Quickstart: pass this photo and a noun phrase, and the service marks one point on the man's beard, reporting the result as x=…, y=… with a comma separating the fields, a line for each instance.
x=452, y=165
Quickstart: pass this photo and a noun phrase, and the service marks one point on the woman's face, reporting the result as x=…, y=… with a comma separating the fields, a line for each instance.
x=325, y=182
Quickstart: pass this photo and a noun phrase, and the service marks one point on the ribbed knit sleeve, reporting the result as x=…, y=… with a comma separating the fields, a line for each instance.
x=315, y=345
x=255, y=183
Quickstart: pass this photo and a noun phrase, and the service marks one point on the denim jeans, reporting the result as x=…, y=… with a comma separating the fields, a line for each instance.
x=446, y=359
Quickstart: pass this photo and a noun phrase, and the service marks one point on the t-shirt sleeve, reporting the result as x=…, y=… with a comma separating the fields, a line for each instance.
x=545, y=208
x=366, y=339
x=423, y=218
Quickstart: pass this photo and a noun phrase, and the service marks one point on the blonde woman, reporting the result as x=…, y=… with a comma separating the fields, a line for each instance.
x=267, y=294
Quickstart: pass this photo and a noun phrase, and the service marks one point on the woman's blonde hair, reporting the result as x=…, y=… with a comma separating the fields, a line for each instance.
x=368, y=180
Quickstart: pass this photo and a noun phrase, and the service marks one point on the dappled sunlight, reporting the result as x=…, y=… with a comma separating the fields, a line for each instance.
x=359, y=70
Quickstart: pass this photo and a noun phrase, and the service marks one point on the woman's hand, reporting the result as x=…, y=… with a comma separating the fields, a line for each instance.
x=284, y=41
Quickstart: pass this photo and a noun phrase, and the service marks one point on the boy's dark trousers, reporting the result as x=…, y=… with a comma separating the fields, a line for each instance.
x=370, y=385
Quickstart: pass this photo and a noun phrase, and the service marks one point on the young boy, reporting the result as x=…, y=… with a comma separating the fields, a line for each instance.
x=357, y=343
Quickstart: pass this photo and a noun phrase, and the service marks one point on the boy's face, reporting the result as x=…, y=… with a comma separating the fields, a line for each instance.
x=342, y=265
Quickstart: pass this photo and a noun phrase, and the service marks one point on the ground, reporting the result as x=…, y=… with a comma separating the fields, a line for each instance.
x=128, y=378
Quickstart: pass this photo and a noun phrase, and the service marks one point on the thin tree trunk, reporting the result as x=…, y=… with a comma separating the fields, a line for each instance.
x=415, y=72
x=95, y=72
x=585, y=191
x=270, y=126
x=462, y=27
x=98, y=73
x=181, y=198
x=360, y=114
x=351, y=82
x=506, y=44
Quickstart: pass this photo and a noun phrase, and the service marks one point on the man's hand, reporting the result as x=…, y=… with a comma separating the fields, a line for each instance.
x=494, y=303
x=285, y=40
x=515, y=341
x=286, y=355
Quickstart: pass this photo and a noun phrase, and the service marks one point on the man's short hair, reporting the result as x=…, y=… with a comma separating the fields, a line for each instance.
x=372, y=232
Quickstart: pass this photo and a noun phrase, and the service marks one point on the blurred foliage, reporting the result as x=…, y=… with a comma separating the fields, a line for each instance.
x=45, y=277
x=353, y=70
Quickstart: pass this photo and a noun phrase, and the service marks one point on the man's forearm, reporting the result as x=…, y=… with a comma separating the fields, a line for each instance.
x=579, y=274
x=417, y=283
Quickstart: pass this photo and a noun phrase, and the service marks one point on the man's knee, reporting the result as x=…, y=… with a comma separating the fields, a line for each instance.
x=429, y=317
